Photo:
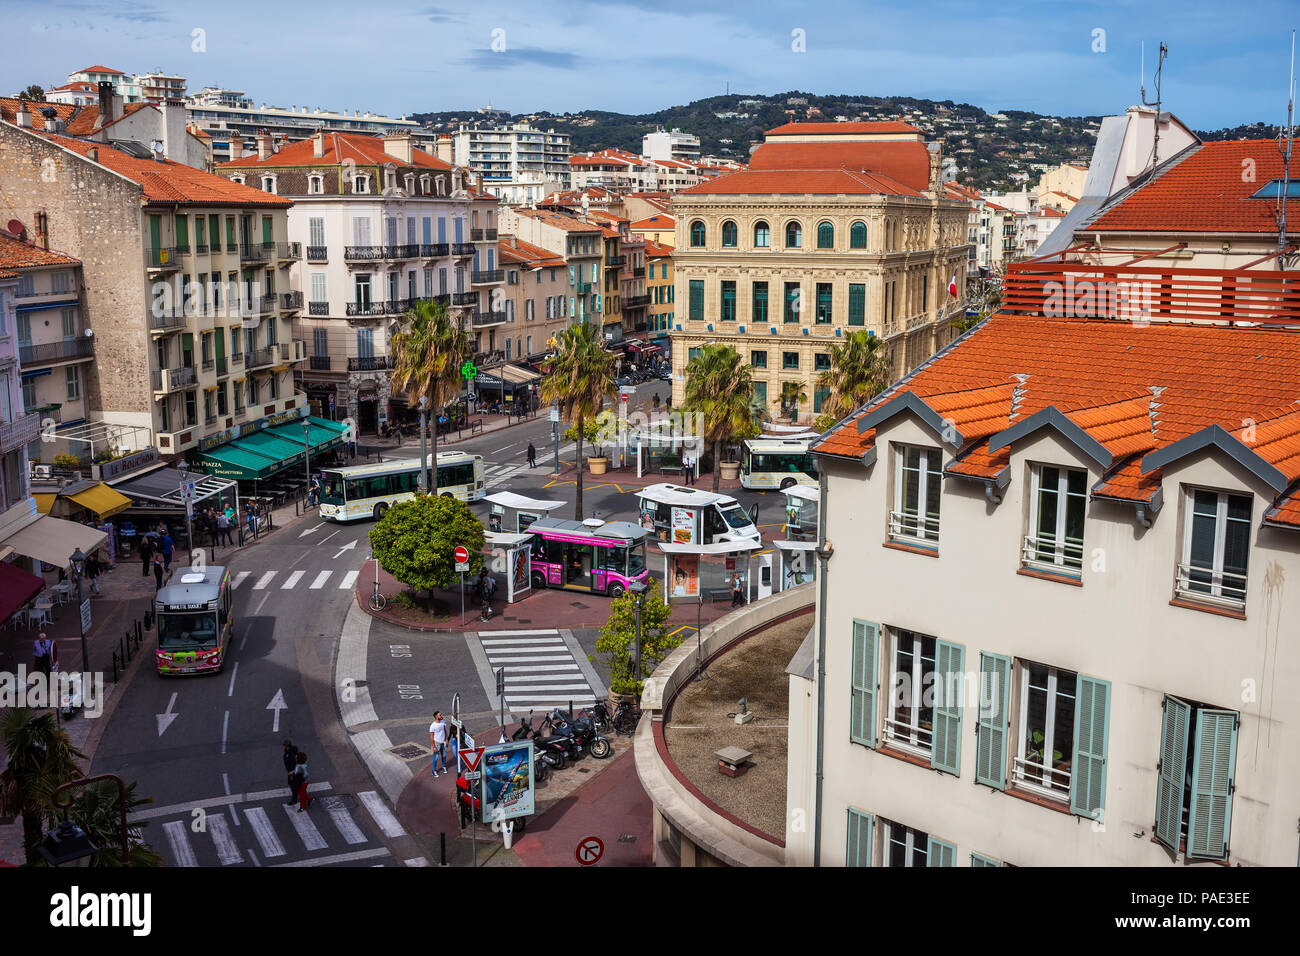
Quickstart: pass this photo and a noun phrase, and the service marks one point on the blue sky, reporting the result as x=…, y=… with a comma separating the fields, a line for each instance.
x=1228, y=62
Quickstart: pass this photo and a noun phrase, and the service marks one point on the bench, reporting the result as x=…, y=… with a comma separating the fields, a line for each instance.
x=718, y=594
x=669, y=465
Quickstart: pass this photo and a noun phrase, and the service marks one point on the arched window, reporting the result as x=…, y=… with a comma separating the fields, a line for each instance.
x=762, y=235
x=793, y=235
x=858, y=235
x=825, y=235
x=729, y=235
x=697, y=234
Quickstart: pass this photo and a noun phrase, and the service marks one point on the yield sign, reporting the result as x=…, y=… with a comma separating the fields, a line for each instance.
x=471, y=756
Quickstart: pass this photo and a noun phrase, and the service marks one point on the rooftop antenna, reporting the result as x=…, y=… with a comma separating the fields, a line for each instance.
x=1284, y=142
x=1160, y=64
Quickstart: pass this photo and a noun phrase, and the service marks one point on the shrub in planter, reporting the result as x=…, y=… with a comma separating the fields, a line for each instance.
x=618, y=637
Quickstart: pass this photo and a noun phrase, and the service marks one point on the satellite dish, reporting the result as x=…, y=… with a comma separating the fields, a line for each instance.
x=16, y=228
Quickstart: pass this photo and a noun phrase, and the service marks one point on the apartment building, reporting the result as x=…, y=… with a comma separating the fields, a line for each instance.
x=621, y=171
x=825, y=232
x=18, y=426
x=580, y=244
x=1062, y=185
x=537, y=298
x=187, y=287
x=517, y=161
x=384, y=225
x=991, y=230
x=671, y=144
x=623, y=297
x=1109, y=519
x=659, y=287
x=660, y=228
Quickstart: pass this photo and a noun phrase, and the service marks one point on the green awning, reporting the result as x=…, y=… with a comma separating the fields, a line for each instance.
x=231, y=461
x=322, y=433
x=279, y=449
x=260, y=454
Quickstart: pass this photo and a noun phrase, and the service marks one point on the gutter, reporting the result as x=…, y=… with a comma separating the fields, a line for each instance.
x=823, y=555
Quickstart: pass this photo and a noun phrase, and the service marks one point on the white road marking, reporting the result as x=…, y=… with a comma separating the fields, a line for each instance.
x=277, y=704
x=258, y=610
x=521, y=686
x=291, y=580
x=382, y=816
x=227, y=851
x=526, y=649
x=231, y=692
x=339, y=858
x=256, y=796
x=328, y=536
x=239, y=579
x=264, y=832
x=225, y=782
x=263, y=581
x=306, y=829
x=544, y=667
x=350, y=831
x=244, y=640
x=321, y=578
x=178, y=837
x=225, y=727
x=416, y=861
x=346, y=547
x=310, y=530
x=520, y=660
x=549, y=633
x=348, y=580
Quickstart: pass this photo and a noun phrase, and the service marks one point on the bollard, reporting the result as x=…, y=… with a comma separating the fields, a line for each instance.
x=115, y=667
x=128, y=644
x=121, y=654
x=137, y=631
x=442, y=848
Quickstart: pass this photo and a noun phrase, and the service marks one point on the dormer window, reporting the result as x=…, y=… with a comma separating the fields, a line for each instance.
x=268, y=184
x=316, y=185
x=238, y=178
x=1216, y=548
x=918, y=481
x=426, y=184
x=390, y=179
x=361, y=185
x=1056, y=509
x=410, y=184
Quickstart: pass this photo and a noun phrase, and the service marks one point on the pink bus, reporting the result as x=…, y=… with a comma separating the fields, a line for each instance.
x=597, y=557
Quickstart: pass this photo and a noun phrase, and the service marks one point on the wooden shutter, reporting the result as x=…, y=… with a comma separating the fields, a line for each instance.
x=1171, y=774
x=939, y=853
x=858, y=851
x=862, y=714
x=945, y=753
x=1091, y=719
x=994, y=715
x=1212, y=784
x=978, y=859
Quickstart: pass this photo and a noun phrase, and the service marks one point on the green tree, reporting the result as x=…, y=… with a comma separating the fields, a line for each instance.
x=414, y=541
x=859, y=371
x=33, y=94
x=618, y=638
x=580, y=378
x=595, y=431
x=428, y=354
x=41, y=757
x=97, y=810
x=720, y=389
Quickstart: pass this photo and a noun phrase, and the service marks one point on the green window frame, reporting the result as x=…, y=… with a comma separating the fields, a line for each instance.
x=759, y=297
x=820, y=394
x=267, y=235
x=858, y=235
x=821, y=362
x=758, y=359
x=762, y=235
x=790, y=361
x=182, y=233
x=697, y=234
x=825, y=235
x=692, y=354
x=825, y=292
x=979, y=859
x=857, y=303
x=1091, y=732
x=945, y=749
x=994, y=720
x=730, y=235
x=940, y=853
x=1171, y=771
x=858, y=841
x=214, y=232
x=793, y=235
x=792, y=298
x=862, y=704
x=728, y=300
x=760, y=393
x=696, y=312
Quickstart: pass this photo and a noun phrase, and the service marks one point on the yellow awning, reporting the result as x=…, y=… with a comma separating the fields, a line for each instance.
x=44, y=502
x=102, y=500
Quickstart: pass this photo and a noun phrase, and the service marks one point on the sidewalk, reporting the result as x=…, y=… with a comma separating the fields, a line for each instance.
x=491, y=423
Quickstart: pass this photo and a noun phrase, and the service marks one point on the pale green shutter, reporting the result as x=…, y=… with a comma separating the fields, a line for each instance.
x=978, y=859
x=994, y=713
x=1091, y=726
x=858, y=852
x=945, y=752
x=862, y=718
x=1212, y=785
x=1171, y=775
x=940, y=854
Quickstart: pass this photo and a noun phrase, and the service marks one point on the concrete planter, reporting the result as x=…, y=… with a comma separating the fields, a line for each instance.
x=598, y=465
x=730, y=469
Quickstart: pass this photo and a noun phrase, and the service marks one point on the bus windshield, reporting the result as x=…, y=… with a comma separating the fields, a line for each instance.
x=737, y=517
x=187, y=630
x=332, y=489
x=783, y=463
x=636, y=560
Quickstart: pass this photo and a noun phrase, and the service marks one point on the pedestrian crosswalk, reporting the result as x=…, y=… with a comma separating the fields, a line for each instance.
x=497, y=475
x=259, y=829
x=541, y=670
x=343, y=580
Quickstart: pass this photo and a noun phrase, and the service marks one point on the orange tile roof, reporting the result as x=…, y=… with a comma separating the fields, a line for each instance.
x=10, y=107
x=656, y=222
x=338, y=148
x=16, y=254
x=83, y=86
x=514, y=249
x=87, y=120
x=657, y=250
x=558, y=220
x=1204, y=192
x=844, y=129
x=100, y=69
x=1287, y=510
x=799, y=182
x=906, y=161
x=167, y=181
x=1050, y=212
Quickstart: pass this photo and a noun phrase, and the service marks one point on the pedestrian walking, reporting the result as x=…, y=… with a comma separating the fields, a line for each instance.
x=93, y=570
x=737, y=593
x=290, y=758
x=168, y=546
x=43, y=653
x=223, y=528
x=303, y=778
x=532, y=456
x=157, y=571
x=315, y=490
x=438, y=737
x=146, y=556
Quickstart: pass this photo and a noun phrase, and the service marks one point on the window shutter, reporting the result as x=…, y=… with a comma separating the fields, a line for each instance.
x=1212, y=785
x=945, y=754
x=1172, y=773
x=977, y=859
x=940, y=854
x=1088, y=781
x=859, y=839
x=991, y=731
x=862, y=719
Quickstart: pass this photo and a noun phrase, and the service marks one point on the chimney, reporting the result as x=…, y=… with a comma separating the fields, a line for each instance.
x=236, y=146
x=93, y=154
x=318, y=144
x=446, y=149
x=175, y=135
x=24, y=119
x=106, y=103
x=398, y=145
x=264, y=145
x=42, y=231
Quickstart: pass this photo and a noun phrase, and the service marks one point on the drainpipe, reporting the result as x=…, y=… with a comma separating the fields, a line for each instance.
x=822, y=556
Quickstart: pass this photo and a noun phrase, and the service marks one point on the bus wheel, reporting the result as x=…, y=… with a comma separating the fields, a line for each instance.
x=379, y=511
x=787, y=483
x=616, y=590
x=539, y=582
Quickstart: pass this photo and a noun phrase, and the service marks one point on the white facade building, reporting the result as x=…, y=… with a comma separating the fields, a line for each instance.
x=514, y=159
x=664, y=144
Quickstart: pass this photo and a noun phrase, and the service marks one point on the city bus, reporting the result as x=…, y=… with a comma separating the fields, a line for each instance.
x=777, y=463
x=194, y=622
x=367, y=491
x=593, y=556
x=689, y=515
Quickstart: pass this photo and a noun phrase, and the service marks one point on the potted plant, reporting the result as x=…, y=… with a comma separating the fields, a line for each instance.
x=618, y=640
x=595, y=432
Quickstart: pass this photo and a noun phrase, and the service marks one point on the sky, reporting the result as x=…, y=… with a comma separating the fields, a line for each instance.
x=1228, y=62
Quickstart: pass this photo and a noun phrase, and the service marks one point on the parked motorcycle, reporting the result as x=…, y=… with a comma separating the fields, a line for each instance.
x=583, y=731
x=555, y=749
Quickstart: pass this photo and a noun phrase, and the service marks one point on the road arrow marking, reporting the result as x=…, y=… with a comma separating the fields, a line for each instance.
x=346, y=547
x=277, y=704
x=310, y=530
x=165, y=719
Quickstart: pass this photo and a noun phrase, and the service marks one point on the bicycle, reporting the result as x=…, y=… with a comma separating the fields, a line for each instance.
x=377, y=601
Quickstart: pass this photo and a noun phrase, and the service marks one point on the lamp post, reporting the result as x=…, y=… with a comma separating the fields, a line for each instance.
x=69, y=843
x=424, y=422
x=639, y=589
x=306, y=449
x=78, y=562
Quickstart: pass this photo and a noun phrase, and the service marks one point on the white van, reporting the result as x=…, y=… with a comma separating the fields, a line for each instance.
x=692, y=516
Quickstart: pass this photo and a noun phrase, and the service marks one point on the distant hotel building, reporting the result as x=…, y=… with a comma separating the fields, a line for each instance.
x=671, y=145
x=518, y=162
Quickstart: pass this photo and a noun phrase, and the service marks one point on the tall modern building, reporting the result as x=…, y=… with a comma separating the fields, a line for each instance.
x=518, y=162
x=674, y=144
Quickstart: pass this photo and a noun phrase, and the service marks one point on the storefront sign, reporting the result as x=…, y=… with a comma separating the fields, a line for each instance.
x=119, y=466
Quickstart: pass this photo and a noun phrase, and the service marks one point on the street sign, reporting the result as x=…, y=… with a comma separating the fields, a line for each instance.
x=461, y=554
x=590, y=850
x=471, y=774
x=187, y=491
x=462, y=567
x=555, y=414
x=622, y=397
x=470, y=756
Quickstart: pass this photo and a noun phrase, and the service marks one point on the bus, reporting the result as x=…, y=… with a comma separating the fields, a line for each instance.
x=592, y=556
x=777, y=463
x=194, y=622
x=689, y=515
x=367, y=491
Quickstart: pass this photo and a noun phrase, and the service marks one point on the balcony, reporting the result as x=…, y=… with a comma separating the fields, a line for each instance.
x=317, y=253
x=481, y=319
x=918, y=530
x=399, y=306
x=320, y=363
x=635, y=301
x=483, y=235
x=232, y=247
x=444, y=299
x=264, y=305
x=167, y=320
x=488, y=277
x=19, y=432
x=584, y=288
x=288, y=250
x=411, y=251
x=318, y=308
x=260, y=358
x=295, y=351
x=363, y=253
x=464, y=298
x=638, y=272
x=209, y=418
x=253, y=252
x=615, y=261
x=163, y=258
x=365, y=308
x=291, y=301
x=436, y=250
x=30, y=356
x=237, y=359
x=172, y=379
x=208, y=365
x=1202, y=585
x=201, y=248
x=462, y=248
x=369, y=363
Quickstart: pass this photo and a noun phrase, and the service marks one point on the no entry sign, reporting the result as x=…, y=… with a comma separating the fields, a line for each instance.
x=461, y=554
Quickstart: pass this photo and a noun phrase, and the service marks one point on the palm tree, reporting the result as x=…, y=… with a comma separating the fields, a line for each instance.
x=41, y=757
x=97, y=810
x=720, y=388
x=428, y=354
x=580, y=377
x=859, y=371
x=792, y=393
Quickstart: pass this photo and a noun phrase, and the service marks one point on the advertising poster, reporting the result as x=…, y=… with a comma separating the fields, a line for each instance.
x=686, y=576
x=683, y=526
x=797, y=569
x=520, y=566
x=507, y=781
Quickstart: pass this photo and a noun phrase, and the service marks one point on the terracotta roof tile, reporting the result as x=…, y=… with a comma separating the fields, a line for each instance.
x=814, y=181
x=100, y=69
x=338, y=147
x=844, y=129
x=906, y=161
x=15, y=254
x=10, y=107
x=659, y=221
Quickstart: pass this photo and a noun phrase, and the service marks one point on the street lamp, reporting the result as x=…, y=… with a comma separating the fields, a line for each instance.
x=78, y=562
x=69, y=843
x=638, y=588
x=424, y=424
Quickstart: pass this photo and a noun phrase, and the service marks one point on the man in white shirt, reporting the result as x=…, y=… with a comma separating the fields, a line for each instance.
x=43, y=653
x=438, y=737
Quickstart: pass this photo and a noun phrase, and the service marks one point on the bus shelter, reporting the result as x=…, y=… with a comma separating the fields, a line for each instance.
x=659, y=445
x=682, y=571
x=514, y=513
x=511, y=558
x=801, y=505
x=795, y=564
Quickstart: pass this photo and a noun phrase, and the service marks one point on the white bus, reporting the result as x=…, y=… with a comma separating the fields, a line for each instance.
x=777, y=463
x=367, y=491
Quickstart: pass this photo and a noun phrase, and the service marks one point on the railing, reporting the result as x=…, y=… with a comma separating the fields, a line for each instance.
x=488, y=318
x=462, y=248
x=400, y=306
x=1043, y=778
x=464, y=298
x=444, y=299
x=19, y=432
x=221, y=365
x=483, y=235
x=1223, y=588
x=170, y=379
x=265, y=304
x=435, y=250
x=409, y=251
x=364, y=308
x=363, y=253
x=208, y=364
x=896, y=731
x=200, y=248
x=320, y=363
x=163, y=257
x=288, y=250
x=237, y=358
x=369, y=363
x=1045, y=553
x=318, y=253
x=291, y=300
x=616, y=261
x=635, y=301
x=256, y=251
x=263, y=356
x=82, y=347
x=487, y=276
x=232, y=247
x=913, y=528
x=318, y=308
x=239, y=411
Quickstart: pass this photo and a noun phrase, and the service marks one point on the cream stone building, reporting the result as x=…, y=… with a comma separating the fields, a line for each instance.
x=818, y=237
